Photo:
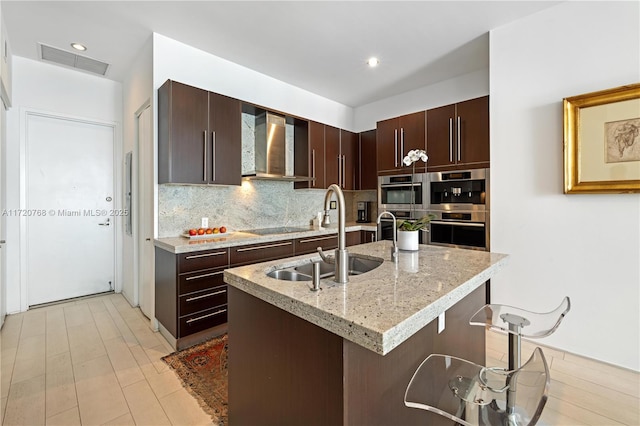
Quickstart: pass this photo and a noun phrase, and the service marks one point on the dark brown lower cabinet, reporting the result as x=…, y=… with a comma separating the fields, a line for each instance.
x=310, y=244
x=368, y=237
x=283, y=370
x=191, y=295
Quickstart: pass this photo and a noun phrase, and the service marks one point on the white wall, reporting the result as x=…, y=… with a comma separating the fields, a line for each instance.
x=468, y=86
x=186, y=64
x=583, y=246
x=137, y=91
x=53, y=89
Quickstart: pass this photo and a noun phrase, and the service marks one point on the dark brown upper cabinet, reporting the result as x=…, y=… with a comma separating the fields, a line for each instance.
x=368, y=171
x=309, y=159
x=396, y=137
x=350, y=159
x=199, y=136
x=458, y=135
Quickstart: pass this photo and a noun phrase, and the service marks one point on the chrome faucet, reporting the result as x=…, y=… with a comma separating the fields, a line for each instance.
x=394, y=249
x=342, y=255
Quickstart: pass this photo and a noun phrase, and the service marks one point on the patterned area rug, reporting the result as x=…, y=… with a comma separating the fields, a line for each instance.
x=203, y=371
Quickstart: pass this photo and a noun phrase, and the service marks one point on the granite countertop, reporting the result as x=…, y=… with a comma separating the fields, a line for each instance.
x=184, y=245
x=381, y=308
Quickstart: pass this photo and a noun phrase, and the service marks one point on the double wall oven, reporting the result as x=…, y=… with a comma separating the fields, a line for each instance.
x=406, y=196
x=459, y=200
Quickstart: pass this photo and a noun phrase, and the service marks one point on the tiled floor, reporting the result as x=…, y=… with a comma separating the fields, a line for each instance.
x=96, y=361
x=93, y=361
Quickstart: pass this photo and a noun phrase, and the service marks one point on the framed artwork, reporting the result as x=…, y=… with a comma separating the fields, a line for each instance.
x=602, y=141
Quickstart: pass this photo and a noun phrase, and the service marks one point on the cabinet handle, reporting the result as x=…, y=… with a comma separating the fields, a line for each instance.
x=402, y=142
x=373, y=237
x=339, y=171
x=458, y=135
x=310, y=240
x=313, y=166
x=213, y=154
x=287, y=243
x=395, y=145
x=197, y=256
x=204, y=158
x=197, y=277
x=451, y=140
x=215, y=293
x=221, y=311
x=344, y=170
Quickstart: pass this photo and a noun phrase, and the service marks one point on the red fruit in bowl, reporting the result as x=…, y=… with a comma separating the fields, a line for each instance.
x=223, y=229
x=201, y=231
x=193, y=232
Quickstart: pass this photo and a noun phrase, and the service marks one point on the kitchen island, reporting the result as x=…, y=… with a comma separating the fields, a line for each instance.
x=345, y=354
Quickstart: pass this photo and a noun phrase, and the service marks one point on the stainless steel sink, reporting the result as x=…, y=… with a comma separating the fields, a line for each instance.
x=288, y=275
x=357, y=265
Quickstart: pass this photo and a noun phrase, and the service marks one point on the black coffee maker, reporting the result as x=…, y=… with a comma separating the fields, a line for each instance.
x=364, y=212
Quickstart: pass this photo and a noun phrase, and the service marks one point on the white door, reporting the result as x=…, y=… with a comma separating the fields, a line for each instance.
x=70, y=229
x=146, y=273
x=3, y=217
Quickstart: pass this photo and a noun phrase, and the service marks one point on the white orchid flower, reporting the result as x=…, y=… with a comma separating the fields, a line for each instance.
x=415, y=155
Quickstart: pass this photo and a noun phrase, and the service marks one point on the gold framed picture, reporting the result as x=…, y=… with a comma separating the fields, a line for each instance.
x=602, y=141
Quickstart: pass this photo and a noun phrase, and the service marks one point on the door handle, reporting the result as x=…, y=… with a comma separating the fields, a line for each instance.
x=107, y=223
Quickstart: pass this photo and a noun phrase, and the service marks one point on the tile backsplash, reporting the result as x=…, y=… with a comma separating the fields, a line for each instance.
x=255, y=204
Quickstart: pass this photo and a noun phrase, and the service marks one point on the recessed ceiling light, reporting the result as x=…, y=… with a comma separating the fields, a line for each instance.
x=373, y=62
x=78, y=46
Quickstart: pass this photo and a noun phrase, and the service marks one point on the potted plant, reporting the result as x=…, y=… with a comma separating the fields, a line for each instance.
x=408, y=230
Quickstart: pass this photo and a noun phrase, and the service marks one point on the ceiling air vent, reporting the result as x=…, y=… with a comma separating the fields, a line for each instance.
x=73, y=60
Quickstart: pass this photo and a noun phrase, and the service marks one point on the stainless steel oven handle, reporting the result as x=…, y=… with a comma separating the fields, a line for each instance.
x=397, y=185
x=445, y=222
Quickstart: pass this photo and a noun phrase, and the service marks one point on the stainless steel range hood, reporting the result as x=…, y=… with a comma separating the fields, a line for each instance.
x=271, y=150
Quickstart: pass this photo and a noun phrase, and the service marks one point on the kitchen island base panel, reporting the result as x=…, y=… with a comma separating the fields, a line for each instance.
x=285, y=370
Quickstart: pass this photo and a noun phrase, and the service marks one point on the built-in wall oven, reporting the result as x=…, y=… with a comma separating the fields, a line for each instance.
x=399, y=192
x=385, y=229
x=459, y=200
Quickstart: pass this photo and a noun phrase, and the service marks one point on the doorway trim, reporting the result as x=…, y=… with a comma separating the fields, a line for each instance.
x=25, y=113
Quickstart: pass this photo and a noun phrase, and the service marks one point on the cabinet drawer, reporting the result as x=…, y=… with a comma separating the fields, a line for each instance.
x=310, y=244
x=195, y=261
x=201, y=280
x=202, y=320
x=202, y=300
x=256, y=253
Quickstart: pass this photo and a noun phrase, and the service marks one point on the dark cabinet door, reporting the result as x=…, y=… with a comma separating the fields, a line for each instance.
x=412, y=136
x=387, y=145
x=458, y=135
x=316, y=155
x=368, y=171
x=440, y=136
x=182, y=134
x=473, y=127
x=349, y=154
x=332, y=155
x=225, y=140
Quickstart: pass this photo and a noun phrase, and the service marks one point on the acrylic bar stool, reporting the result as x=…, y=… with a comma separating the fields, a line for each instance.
x=473, y=395
x=518, y=323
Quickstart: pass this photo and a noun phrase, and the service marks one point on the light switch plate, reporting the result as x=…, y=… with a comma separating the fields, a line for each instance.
x=205, y=222
x=441, y=323
x=333, y=205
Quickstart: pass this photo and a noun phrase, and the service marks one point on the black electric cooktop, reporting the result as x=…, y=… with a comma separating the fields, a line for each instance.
x=278, y=230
